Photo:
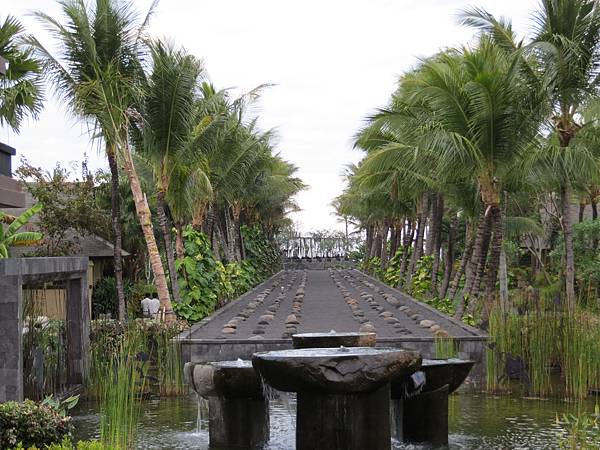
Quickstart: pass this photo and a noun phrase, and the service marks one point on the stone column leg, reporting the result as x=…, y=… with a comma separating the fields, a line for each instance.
x=78, y=330
x=344, y=421
x=11, y=330
x=238, y=422
x=425, y=418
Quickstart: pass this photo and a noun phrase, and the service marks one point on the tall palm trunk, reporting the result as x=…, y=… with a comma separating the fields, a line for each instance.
x=407, y=239
x=115, y=197
x=165, y=225
x=436, y=233
x=179, y=246
x=368, y=242
x=145, y=218
x=503, y=277
x=464, y=261
x=418, y=248
x=477, y=261
x=393, y=240
x=494, y=262
x=449, y=260
x=384, y=244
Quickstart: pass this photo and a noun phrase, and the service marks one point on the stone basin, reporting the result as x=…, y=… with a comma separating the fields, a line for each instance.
x=438, y=372
x=228, y=379
x=334, y=370
x=334, y=339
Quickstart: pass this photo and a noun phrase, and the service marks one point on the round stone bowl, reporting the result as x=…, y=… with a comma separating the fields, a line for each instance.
x=334, y=339
x=229, y=379
x=334, y=370
x=438, y=372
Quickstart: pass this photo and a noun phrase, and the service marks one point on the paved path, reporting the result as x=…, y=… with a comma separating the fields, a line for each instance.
x=300, y=301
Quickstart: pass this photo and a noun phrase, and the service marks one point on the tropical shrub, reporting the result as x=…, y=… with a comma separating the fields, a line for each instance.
x=206, y=282
x=32, y=424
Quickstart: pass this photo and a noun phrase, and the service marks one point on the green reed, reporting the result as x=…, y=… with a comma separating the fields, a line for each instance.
x=546, y=338
x=169, y=363
x=445, y=348
x=120, y=402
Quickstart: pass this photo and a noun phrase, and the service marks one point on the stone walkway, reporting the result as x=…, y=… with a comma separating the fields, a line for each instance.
x=302, y=301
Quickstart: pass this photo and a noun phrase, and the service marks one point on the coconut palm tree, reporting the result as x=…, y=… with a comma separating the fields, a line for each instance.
x=98, y=73
x=167, y=128
x=566, y=49
x=21, y=90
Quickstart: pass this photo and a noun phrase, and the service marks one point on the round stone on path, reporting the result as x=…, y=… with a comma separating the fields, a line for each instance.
x=258, y=331
x=442, y=333
x=427, y=323
x=367, y=328
x=403, y=308
x=434, y=328
x=228, y=330
x=386, y=314
x=291, y=319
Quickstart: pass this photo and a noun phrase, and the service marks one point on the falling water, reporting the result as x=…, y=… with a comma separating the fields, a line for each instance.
x=202, y=408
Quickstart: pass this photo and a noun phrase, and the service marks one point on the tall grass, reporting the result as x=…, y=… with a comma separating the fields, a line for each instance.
x=121, y=392
x=545, y=339
x=169, y=362
x=445, y=348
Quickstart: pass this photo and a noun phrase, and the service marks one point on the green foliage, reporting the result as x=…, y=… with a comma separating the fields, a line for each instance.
x=11, y=236
x=580, y=432
x=373, y=267
x=392, y=273
x=421, y=281
x=198, y=277
x=69, y=205
x=205, y=281
x=32, y=424
x=66, y=444
x=61, y=406
x=104, y=296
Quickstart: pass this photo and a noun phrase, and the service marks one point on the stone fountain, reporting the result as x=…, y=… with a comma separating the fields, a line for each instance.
x=343, y=394
x=420, y=400
x=238, y=410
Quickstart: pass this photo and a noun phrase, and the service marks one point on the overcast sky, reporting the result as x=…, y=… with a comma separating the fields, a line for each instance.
x=332, y=63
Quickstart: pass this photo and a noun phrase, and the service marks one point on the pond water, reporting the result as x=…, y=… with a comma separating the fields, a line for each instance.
x=476, y=422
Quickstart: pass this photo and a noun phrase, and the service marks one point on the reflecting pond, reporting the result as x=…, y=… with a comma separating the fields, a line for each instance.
x=476, y=422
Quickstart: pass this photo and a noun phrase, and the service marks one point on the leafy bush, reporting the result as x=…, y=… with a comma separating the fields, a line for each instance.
x=206, y=282
x=32, y=424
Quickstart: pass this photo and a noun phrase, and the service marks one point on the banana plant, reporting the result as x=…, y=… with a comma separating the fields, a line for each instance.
x=11, y=236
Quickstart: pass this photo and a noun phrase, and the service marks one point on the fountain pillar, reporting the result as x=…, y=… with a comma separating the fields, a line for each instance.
x=419, y=405
x=238, y=412
x=343, y=394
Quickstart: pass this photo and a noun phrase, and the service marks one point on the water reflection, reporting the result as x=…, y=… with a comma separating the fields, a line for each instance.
x=476, y=422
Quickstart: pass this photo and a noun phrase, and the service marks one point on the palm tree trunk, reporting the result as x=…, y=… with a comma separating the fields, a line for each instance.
x=409, y=235
x=165, y=225
x=565, y=193
x=179, y=246
x=449, y=261
x=436, y=233
x=494, y=262
x=581, y=211
x=476, y=262
x=503, y=276
x=117, y=229
x=418, y=248
x=464, y=261
x=393, y=240
x=594, y=209
x=368, y=242
x=384, y=240
x=145, y=218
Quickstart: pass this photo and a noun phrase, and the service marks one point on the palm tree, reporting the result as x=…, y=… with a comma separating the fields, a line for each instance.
x=21, y=91
x=98, y=73
x=566, y=49
x=167, y=128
